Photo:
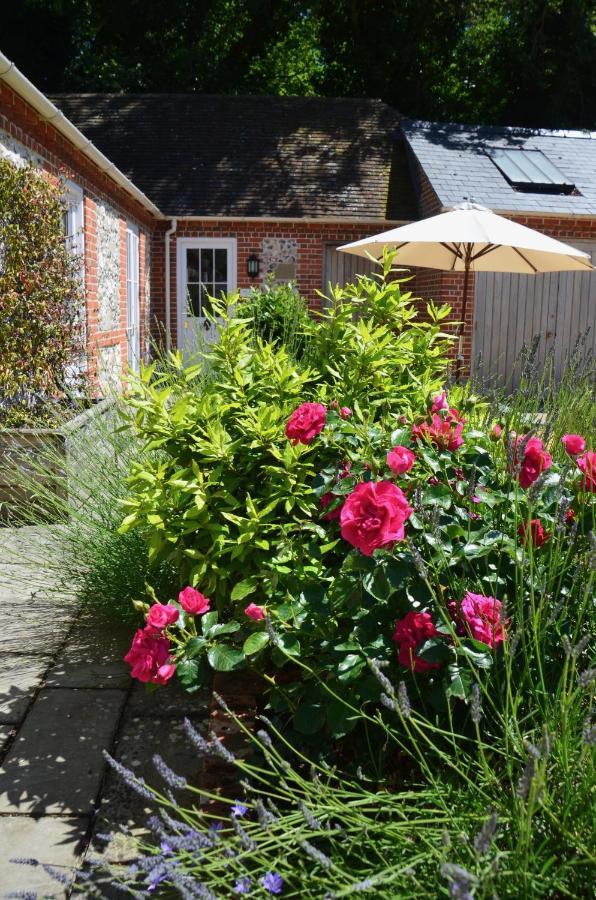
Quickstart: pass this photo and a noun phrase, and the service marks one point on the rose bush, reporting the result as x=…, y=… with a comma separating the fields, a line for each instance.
x=414, y=536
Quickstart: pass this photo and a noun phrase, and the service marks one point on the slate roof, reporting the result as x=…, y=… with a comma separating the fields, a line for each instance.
x=201, y=155
x=454, y=160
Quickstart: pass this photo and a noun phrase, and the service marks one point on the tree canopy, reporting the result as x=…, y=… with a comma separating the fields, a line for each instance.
x=520, y=62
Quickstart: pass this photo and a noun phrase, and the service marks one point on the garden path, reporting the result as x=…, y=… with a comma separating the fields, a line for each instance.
x=65, y=696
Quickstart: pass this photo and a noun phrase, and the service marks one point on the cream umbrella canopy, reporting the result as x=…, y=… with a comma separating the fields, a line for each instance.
x=471, y=238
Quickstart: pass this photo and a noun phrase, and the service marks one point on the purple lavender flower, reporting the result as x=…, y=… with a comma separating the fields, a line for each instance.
x=242, y=886
x=166, y=848
x=272, y=882
x=239, y=809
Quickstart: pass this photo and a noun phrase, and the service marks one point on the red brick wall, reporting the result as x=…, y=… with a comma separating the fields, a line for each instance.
x=311, y=238
x=61, y=158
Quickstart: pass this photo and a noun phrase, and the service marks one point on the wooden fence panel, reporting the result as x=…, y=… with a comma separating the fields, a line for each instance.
x=510, y=311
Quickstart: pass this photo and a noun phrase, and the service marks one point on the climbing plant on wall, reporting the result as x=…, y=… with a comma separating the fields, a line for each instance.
x=40, y=296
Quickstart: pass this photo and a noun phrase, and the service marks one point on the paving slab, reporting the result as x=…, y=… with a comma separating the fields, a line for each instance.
x=5, y=731
x=139, y=740
x=19, y=677
x=53, y=840
x=55, y=764
x=39, y=630
x=93, y=658
x=170, y=700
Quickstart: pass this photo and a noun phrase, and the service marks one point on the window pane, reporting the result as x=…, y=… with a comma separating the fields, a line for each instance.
x=220, y=289
x=221, y=265
x=193, y=300
x=206, y=265
x=192, y=265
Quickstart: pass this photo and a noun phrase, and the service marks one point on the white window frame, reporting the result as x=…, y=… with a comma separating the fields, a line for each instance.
x=75, y=218
x=199, y=243
x=133, y=298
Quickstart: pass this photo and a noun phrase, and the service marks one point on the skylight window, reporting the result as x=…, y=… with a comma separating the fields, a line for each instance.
x=530, y=171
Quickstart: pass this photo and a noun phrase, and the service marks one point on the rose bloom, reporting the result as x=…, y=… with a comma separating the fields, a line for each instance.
x=193, y=602
x=254, y=612
x=373, y=516
x=306, y=423
x=587, y=463
x=496, y=432
x=333, y=514
x=535, y=460
x=440, y=402
x=444, y=432
x=400, y=460
x=160, y=615
x=149, y=657
x=345, y=412
x=480, y=617
x=573, y=443
x=410, y=633
x=535, y=533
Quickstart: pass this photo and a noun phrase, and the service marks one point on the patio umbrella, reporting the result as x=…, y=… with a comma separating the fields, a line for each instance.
x=471, y=238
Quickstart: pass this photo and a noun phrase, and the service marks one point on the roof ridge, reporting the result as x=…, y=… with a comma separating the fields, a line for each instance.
x=522, y=130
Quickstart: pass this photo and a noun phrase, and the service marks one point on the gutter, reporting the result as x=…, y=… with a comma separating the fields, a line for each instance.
x=169, y=232
x=17, y=82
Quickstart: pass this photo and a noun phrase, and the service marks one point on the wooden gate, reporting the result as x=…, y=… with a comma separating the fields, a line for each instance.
x=342, y=268
x=511, y=310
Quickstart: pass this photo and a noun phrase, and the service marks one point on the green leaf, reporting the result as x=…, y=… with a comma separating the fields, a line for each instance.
x=255, y=642
x=309, y=718
x=377, y=584
x=190, y=675
x=339, y=720
x=194, y=648
x=224, y=658
x=243, y=588
x=434, y=650
x=208, y=621
x=228, y=628
x=290, y=644
x=460, y=682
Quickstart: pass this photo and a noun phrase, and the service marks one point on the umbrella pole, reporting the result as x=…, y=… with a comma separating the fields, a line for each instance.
x=461, y=330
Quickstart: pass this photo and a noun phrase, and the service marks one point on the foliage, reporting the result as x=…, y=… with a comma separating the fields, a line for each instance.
x=82, y=552
x=40, y=294
x=455, y=65
x=279, y=314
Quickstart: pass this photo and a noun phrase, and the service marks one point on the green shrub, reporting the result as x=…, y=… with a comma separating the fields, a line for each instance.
x=278, y=314
x=40, y=295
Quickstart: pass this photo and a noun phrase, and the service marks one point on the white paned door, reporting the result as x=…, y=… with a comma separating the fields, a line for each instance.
x=206, y=268
x=133, y=307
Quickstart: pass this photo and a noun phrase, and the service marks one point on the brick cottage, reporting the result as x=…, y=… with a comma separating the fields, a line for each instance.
x=171, y=197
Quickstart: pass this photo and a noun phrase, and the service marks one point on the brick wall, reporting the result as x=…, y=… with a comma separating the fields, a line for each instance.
x=310, y=238
x=42, y=143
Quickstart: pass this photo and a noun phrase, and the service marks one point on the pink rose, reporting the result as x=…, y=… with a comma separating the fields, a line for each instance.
x=333, y=514
x=254, y=612
x=440, y=402
x=345, y=412
x=587, y=463
x=496, y=432
x=306, y=423
x=149, y=657
x=193, y=602
x=535, y=460
x=410, y=633
x=160, y=615
x=444, y=432
x=400, y=460
x=535, y=534
x=573, y=443
x=481, y=617
x=373, y=516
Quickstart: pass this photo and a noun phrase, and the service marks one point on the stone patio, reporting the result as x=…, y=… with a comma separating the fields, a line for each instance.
x=65, y=696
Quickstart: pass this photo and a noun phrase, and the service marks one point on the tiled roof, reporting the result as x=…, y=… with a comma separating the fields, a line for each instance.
x=202, y=155
x=454, y=160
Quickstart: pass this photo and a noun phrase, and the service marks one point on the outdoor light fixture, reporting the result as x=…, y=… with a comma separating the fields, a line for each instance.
x=253, y=264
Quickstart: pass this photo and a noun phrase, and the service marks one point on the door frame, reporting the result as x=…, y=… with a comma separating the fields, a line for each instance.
x=133, y=298
x=189, y=243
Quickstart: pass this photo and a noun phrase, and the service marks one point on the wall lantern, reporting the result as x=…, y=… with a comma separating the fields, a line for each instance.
x=253, y=265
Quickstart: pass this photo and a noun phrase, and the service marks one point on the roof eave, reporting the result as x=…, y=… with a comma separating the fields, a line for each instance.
x=47, y=111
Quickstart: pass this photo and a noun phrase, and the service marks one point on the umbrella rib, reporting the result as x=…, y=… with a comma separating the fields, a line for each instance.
x=527, y=261
x=488, y=249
